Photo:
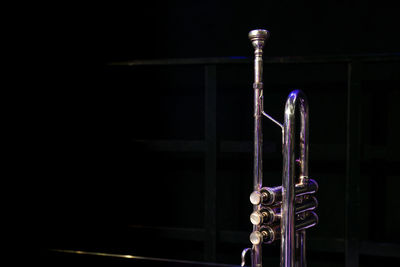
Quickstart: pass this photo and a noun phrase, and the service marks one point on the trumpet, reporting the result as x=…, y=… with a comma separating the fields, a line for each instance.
x=282, y=212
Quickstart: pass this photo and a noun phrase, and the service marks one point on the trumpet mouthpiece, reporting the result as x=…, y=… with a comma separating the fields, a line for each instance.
x=258, y=35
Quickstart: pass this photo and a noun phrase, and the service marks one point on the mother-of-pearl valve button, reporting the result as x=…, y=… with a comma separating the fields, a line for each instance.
x=256, y=218
x=256, y=238
x=256, y=198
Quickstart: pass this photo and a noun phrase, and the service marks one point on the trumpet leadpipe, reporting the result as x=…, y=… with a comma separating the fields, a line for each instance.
x=257, y=38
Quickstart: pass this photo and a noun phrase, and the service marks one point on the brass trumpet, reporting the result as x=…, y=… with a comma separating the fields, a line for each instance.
x=283, y=212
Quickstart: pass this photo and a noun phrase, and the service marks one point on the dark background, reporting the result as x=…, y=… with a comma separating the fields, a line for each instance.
x=97, y=183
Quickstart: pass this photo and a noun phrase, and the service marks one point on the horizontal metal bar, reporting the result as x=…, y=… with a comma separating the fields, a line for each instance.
x=388, y=57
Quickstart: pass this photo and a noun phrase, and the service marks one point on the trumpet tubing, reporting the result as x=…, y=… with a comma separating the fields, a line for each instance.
x=281, y=212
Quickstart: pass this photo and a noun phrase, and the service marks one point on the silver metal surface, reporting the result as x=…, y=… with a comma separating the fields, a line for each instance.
x=272, y=119
x=306, y=205
x=243, y=256
x=268, y=215
x=273, y=195
x=296, y=98
x=257, y=197
x=281, y=212
x=266, y=235
x=256, y=218
x=256, y=238
x=257, y=38
x=309, y=221
x=270, y=233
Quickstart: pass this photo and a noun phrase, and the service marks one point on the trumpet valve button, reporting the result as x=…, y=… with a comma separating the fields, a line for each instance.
x=256, y=198
x=256, y=218
x=256, y=238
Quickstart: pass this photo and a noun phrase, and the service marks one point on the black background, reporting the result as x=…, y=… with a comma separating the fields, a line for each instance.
x=82, y=116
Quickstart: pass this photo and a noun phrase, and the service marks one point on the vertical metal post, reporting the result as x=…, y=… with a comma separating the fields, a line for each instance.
x=210, y=213
x=352, y=193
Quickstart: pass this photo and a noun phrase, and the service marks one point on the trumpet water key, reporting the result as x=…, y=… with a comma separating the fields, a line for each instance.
x=281, y=212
